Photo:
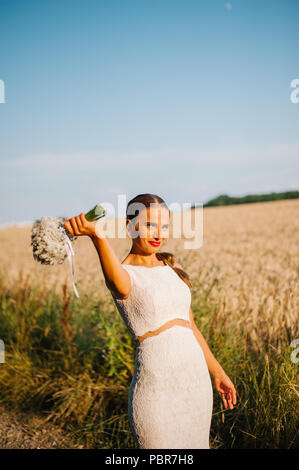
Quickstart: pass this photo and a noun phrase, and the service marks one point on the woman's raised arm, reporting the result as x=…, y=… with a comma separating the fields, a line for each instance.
x=116, y=277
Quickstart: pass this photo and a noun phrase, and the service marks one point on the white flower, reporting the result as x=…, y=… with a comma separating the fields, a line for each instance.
x=48, y=240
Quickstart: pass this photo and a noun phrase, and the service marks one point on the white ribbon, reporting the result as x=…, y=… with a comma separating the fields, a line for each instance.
x=70, y=254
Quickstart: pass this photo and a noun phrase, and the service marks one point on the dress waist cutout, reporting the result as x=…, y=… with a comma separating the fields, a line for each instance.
x=168, y=324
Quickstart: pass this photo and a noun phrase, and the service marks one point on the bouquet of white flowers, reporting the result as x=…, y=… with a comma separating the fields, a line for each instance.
x=52, y=243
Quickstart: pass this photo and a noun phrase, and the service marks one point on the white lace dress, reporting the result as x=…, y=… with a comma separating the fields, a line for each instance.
x=171, y=397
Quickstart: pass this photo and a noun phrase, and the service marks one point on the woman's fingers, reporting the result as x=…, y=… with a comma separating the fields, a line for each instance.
x=83, y=218
x=230, y=401
x=68, y=226
x=224, y=400
x=74, y=225
x=228, y=398
x=222, y=395
x=79, y=223
x=234, y=396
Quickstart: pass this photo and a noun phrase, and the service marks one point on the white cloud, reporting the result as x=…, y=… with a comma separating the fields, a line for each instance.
x=228, y=6
x=31, y=185
x=154, y=161
x=31, y=188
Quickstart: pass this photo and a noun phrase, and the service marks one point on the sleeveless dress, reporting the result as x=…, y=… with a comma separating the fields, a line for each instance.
x=171, y=396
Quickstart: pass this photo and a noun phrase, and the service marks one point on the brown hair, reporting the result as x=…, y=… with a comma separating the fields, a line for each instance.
x=168, y=258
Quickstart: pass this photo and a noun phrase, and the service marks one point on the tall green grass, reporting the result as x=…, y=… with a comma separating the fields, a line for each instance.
x=71, y=361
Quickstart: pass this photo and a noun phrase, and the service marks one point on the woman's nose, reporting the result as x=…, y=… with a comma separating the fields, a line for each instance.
x=158, y=232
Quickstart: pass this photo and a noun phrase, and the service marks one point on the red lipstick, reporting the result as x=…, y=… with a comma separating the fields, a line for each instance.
x=155, y=243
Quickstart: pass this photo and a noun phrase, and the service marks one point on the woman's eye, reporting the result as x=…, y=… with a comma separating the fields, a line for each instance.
x=150, y=224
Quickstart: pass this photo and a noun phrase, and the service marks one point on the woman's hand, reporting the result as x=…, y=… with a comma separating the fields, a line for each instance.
x=226, y=389
x=79, y=225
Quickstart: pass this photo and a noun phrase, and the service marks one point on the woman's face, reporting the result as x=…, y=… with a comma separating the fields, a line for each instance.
x=152, y=226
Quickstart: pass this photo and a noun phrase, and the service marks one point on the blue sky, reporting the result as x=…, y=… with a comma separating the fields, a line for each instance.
x=185, y=99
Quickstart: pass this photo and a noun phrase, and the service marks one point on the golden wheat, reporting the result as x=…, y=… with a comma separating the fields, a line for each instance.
x=251, y=249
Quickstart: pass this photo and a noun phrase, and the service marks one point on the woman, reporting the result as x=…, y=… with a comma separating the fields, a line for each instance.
x=171, y=398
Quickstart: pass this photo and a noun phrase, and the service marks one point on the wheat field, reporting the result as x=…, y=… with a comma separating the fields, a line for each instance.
x=245, y=300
